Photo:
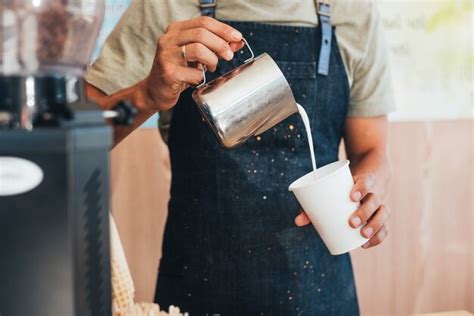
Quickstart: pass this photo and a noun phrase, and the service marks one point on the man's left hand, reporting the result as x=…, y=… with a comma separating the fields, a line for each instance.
x=371, y=214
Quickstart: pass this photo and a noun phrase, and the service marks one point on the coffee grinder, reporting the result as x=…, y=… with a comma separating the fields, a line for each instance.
x=54, y=162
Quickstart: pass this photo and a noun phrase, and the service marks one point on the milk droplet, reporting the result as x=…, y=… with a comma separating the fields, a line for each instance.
x=318, y=289
x=290, y=298
x=322, y=275
x=189, y=294
x=291, y=127
x=259, y=138
x=254, y=171
x=264, y=197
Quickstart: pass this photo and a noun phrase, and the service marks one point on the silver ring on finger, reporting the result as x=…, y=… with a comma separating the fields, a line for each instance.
x=183, y=53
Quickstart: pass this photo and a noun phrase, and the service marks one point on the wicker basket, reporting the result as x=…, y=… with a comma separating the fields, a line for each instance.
x=123, y=289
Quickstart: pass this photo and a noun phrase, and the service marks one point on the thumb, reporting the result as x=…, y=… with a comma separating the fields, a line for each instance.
x=302, y=219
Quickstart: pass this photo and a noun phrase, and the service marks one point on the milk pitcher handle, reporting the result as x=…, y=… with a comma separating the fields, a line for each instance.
x=204, y=69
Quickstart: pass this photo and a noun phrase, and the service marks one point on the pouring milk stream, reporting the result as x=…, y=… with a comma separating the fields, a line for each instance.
x=307, y=126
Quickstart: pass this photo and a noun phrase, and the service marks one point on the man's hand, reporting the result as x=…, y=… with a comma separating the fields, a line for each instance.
x=181, y=52
x=371, y=214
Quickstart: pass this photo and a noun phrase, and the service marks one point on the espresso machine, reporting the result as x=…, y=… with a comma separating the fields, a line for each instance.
x=54, y=162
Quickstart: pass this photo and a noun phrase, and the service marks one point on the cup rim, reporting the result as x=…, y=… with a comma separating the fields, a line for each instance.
x=294, y=185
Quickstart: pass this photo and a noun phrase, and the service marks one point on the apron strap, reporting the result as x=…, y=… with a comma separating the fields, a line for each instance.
x=208, y=7
x=323, y=8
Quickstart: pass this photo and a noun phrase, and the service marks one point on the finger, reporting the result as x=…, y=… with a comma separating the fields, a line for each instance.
x=188, y=75
x=377, y=239
x=366, y=209
x=236, y=46
x=225, y=31
x=197, y=52
x=363, y=185
x=175, y=56
x=206, y=38
x=198, y=66
x=376, y=223
x=302, y=219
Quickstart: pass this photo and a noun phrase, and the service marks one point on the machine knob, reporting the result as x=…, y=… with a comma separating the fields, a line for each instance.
x=124, y=113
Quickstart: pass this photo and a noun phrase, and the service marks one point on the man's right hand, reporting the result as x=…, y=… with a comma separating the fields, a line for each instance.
x=184, y=45
x=205, y=41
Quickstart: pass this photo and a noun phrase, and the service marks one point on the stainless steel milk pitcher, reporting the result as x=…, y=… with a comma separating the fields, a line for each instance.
x=246, y=101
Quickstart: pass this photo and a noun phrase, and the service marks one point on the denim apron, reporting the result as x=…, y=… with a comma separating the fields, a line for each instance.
x=231, y=246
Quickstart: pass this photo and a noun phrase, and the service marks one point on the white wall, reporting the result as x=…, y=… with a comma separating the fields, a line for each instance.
x=431, y=49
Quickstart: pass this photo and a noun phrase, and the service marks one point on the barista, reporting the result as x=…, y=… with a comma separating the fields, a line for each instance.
x=230, y=244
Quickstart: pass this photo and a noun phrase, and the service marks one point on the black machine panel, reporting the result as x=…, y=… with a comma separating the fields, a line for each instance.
x=54, y=239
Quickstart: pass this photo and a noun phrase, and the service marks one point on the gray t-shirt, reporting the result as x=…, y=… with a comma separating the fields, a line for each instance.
x=128, y=53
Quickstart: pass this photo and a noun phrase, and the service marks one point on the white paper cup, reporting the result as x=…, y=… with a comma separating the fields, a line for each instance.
x=325, y=197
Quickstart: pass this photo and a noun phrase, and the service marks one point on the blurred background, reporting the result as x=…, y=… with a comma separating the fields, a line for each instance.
x=427, y=263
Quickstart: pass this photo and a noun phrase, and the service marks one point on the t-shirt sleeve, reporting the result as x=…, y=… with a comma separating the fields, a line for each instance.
x=127, y=55
x=371, y=90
